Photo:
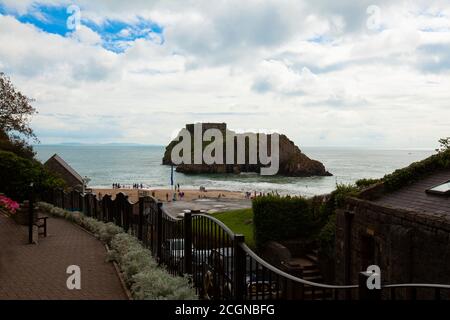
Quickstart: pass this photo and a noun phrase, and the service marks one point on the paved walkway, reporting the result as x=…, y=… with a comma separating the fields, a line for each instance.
x=39, y=271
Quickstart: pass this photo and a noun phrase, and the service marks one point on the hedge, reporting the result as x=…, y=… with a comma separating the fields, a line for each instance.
x=279, y=218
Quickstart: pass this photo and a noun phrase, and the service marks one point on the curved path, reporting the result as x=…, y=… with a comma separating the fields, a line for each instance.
x=39, y=271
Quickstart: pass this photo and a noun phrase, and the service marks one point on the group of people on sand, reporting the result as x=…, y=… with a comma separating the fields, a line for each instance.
x=180, y=195
x=122, y=186
x=248, y=194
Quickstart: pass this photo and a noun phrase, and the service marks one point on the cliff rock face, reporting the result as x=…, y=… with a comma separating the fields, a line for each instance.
x=292, y=161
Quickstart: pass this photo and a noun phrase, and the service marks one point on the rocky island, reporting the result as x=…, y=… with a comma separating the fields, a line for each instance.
x=292, y=162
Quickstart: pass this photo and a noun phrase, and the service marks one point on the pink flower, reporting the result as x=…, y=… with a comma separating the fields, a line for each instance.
x=8, y=204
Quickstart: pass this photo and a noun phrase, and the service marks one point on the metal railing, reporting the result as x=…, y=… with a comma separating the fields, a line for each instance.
x=218, y=261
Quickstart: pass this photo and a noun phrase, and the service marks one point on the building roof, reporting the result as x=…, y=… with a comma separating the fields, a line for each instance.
x=415, y=198
x=67, y=167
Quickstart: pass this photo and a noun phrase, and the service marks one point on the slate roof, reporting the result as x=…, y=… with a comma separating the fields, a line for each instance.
x=67, y=167
x=414, y=197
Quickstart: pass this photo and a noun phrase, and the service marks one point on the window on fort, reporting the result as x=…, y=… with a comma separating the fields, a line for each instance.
x=442, y=189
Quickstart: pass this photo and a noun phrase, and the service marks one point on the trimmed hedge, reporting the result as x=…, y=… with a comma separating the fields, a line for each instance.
x=280, y=218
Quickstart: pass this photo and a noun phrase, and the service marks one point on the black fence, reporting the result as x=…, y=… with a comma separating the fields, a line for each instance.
x=220, y=264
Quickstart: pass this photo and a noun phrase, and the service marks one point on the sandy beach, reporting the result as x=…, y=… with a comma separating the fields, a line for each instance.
x=163, y=194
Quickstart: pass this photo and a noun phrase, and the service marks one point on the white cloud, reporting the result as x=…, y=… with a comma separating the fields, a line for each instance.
x=313, y=69
x=85, y=35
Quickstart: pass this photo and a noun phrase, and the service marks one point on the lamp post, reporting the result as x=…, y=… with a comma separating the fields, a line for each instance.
x=31, y=213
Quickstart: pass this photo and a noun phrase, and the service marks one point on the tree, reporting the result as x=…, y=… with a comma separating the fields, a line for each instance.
x=444, y=144
x=15, y=113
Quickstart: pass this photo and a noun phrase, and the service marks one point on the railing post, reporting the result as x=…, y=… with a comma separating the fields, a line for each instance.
x=348, y=251
x=81, y=202
x=87, y=204
x=102, y=208
x=239, y=267
x=62, y=199
x=127, y=216
x=95, y=204
x=159, y=221
x=364, y=292
x=141, y=218
x=31, y=214
x=188, y=243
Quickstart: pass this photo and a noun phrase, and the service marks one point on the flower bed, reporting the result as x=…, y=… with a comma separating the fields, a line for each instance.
x=8, y=205
x=143, y=277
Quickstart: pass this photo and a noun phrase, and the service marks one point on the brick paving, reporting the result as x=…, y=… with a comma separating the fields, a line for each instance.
x=39, y=271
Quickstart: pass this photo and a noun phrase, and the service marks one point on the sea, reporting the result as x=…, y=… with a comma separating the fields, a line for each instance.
x=129, y=164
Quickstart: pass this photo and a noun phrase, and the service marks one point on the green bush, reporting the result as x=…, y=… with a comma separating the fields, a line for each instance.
x=416, y=170
x=364, y=183
x=280, y=218
x=17, y=173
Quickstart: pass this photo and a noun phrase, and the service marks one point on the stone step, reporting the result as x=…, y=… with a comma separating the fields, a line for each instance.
x=317, y=279
x=311, y=272
x=313, y=258
x=319, y=294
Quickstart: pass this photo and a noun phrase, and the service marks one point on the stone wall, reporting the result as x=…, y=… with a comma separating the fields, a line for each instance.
x=409, y=247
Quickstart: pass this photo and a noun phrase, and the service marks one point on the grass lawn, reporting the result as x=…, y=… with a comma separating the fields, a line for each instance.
x=238, y=222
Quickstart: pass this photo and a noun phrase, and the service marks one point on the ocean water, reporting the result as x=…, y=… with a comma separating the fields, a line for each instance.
x=106, y=164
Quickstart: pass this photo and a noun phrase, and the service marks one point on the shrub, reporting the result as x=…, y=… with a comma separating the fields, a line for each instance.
x=338, y=196
x=131, y=256
x=364, y=183
x=17, y=173
x=153, y=284
x=8, y=204
x=416, y=170
x=280, y=218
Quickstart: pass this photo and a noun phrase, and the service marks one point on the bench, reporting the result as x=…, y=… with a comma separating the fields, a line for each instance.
x=41, y=223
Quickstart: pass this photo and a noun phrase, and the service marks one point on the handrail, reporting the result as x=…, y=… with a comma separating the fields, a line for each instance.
x=417, y=285
x=269, y=266
x=289, y=276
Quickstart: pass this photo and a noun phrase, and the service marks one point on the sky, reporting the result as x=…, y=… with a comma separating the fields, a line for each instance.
x=372, y=74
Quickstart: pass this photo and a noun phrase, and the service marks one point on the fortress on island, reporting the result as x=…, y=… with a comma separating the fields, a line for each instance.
x=292, y=162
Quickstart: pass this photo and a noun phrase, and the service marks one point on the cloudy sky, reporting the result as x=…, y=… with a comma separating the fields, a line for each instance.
x=326, y=73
